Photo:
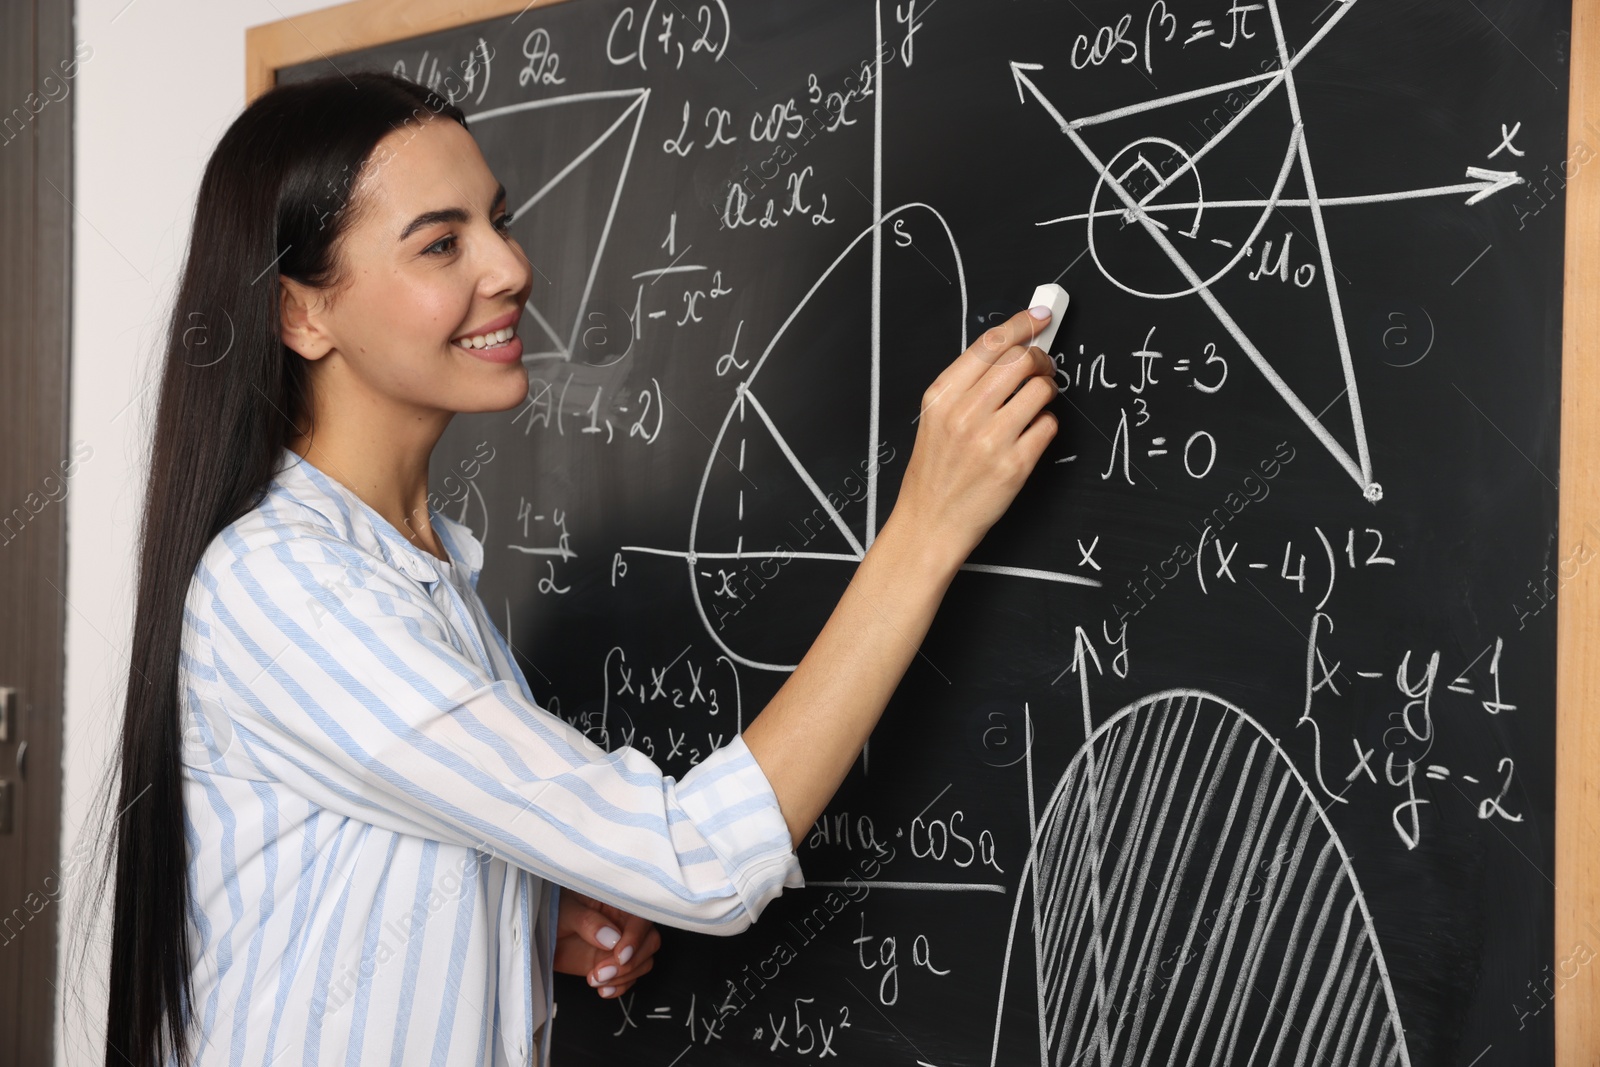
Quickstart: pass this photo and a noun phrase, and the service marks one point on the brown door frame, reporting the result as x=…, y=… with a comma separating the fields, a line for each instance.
x=36, y=109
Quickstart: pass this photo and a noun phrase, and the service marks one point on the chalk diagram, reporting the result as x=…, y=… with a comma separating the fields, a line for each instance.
x=1187, y=896
x=747, y=405
x=1111, y=199
x=637, y=99
x=553, y=305
x=571, y=319
x=1121, y=204
x=1191, y=903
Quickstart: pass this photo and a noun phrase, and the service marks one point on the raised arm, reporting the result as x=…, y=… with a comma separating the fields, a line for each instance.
x=974, y=449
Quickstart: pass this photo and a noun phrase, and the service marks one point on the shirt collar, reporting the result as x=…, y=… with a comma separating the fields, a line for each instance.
x=357, y=522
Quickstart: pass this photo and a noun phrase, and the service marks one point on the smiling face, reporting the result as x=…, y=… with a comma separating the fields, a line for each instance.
x=431, y=283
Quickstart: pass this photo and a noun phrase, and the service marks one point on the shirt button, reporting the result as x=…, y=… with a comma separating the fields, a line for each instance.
x=516, y=933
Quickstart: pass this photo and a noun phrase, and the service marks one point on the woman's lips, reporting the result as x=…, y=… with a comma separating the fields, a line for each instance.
x=508, y=319
x=509, y=351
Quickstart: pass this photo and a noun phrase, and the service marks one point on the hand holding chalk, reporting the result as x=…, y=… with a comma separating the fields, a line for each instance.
x=980, y=432
x=1055, y=298
x=982, y=429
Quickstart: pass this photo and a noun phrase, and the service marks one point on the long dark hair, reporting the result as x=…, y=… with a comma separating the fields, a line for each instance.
x=272, y=201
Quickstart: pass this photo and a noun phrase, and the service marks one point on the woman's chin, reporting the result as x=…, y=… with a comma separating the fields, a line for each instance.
x=514, y=392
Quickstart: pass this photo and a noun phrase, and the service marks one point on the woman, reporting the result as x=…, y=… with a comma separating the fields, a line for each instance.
x=343, y=820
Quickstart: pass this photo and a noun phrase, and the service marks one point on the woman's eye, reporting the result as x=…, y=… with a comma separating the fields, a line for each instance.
x=445, y=245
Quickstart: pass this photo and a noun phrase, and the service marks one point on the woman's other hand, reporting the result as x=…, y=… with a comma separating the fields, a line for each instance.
x=609, y=947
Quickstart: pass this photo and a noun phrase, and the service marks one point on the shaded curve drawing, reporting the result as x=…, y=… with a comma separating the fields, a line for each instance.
x=1193, y=904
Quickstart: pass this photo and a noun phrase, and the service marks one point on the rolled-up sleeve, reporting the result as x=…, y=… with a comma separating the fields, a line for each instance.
x=343, y=678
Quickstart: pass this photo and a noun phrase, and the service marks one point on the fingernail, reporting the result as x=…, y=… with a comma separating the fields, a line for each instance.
x=1042, y=311
x=625, y=955
x=608, y=937
x=605, y=974
x=608, y=991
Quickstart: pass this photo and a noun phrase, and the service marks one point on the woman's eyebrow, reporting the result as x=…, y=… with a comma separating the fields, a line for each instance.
x=449, y=214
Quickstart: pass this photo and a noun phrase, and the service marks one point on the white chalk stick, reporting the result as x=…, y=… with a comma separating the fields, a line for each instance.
x=1055, y=298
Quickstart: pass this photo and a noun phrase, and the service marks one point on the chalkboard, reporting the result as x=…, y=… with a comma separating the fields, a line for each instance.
x=1235, y=740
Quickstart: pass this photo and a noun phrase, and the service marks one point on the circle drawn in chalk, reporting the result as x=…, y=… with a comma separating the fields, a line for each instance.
x=1179, y=177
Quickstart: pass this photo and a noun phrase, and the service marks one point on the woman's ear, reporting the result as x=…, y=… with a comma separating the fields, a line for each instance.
x=300, y=319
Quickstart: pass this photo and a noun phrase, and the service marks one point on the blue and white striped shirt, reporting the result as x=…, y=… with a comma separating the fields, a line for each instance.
x=377, y=810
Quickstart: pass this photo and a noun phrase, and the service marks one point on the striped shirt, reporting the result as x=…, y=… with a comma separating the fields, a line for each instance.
x=378, y=812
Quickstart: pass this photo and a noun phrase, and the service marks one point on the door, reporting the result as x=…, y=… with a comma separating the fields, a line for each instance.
x=36, y=105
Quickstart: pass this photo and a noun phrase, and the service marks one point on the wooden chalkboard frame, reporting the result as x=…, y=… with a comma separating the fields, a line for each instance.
x=363, y=24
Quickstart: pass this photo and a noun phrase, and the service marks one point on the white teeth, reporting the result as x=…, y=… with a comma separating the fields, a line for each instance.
x=484, y=340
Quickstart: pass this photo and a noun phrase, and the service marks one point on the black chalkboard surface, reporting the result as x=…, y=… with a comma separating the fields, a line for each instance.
x=1234, y=742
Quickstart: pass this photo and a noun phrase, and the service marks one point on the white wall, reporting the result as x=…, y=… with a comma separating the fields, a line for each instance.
x=161, y=82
